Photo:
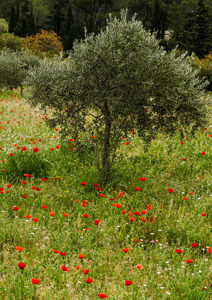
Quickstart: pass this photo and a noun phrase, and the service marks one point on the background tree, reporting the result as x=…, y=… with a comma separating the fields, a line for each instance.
x=13, y=19
x=124, y=81
x=3, y=26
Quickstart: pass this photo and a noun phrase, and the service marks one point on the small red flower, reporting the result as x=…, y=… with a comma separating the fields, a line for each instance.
x=125, y=250
x=102, y=295
x=85, y=271
x=142, y=179
x=178, y=251
x=139, y=266
x=184, y=198
x=118, y=205
x=44, y=206
x=98, y=189
x=24, y=149
x=137, y=188
x=95, y=184
x=124, y=212
x=43, y=179
x=8, y=185
x=89, y=280
x=170, y=190
x=78, y=267
x=189, y=261
x=64, y=268
x=85, y=216
x=136, y=213
x=52, y=149
x=204, y=214
x=81, y=256
x=16, y=208
x=182, y=143
x=38, y=189
x=194, y=245
x=19, y=248
x=35, y=281
x=56, y=251
x=128, y=282
x=97, y=222
x=24, y=196
x=101, y=195
x=27, y=217
x=66, y=215
x=58, y=147
x=184, y=159
x=21, y=266
x=63, y=254
x=149, y=207
x=35, y=149
x=203, y=153
x=144, y=212
x=11, y=154
x=35, y=219
x=83, y=183
x=127, y=143
x=51, y=214
x=24, y=182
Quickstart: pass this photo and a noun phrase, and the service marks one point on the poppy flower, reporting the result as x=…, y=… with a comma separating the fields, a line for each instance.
x=19, y=248
x=125, y=250
x=35, y=219
x=184, y=159
x=178, y=251
x=127, y=143
x=43, y=179
x=11, y=154
x=24, y=182
x=101, y=195
x=139, y=266
x=182, y=143
x=66, y=215
x=24, y=196
x=81, y=256
x=210, y=250
x=131, y=219
x=98, y=189
x=85, y=271
x=170, y=190
x=143, y=212
x=124, y=212
x=153, y=220
x=56, y=251
x=16, y=208
x=102, y=295
x=136, y=213
x=191, y=193
x=55, y=178
x=44, y=206
x=194, y=245
x=204, y=214
x=97, y=222
x=8, y=185
x=189, y=261
x=137, y=188
x=51, y=214
x=89, y=280
x=78, y=267
x=128, y=282
x=143, y=219
x=118, y=205
x=85, y=215
x=24, y=149
x=112, y=199
x=35, y=149
x=63, y=254
x=64, y=268
x=52, y=149
x=203, y=153
x=149, y=206
x=142, y=179
x=83, y=183
x=21, y=266
x=35, y=281
x=57, y=147
x=38, y=189
x=27, y=217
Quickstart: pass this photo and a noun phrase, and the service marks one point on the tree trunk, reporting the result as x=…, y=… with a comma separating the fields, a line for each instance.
x=106, y=147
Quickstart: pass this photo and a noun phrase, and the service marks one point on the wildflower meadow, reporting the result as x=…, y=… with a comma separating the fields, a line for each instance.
x=147, y=234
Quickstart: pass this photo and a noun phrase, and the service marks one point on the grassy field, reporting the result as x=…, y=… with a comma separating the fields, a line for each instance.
x=159, y=201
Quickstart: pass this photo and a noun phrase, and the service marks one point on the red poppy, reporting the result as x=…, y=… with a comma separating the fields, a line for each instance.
x=184, y=198
x=184, y=159
x=11, y=154
x=149, y=206
x=137, y=188
x=124, y=212
x=194, y=245
x=52, y=149
x=203, y=153
x=78, y=267
x=43, y=179
x=58, y=147
x=170, y=190
x=97, y=222
x=142, y=179
x=127, y=143
x=24, y=196
x=89, y=280
x=81, y=256
x=83, y=183
x=21, y=266
x=85, y=215
x=66, y=215
x=35, y=281
x=178, y=251
x=24, y=182
x=38, y=189
x=204, y=214
x=143, y=212
x=131, y=219
x=102, y=295
x=51, y=214
x=118, y=205
x=136, y=213
x=64, y=268
x=210, y=250
x=128, y=282
x=139, y=266
x=63, y=254
x=101, y=195
x=125, y=250
x=153, y=220
x=8, y=185
x=143, y=219
x=19, y=248
x=35, y=149
x=27, y=217
x=16, y=208
x=85, y=271
x=95, y=184
x=182, y=143
x=98, y=189
x=35, y=219
x=189, y=261
x=24, y=149
x=56, y=251
x=55, y=178
x=44, y=206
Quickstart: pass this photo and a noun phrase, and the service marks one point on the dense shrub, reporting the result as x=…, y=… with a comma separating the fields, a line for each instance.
x=204, y=68
x=14, y=67
x=124, y=81
x=10, y=41
x=3, y=26
x=46, y=42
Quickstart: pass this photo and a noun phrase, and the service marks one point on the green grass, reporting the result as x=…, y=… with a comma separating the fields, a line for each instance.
x=165, y=274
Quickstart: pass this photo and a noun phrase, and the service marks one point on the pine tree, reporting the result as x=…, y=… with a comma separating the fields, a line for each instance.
x=13, y=19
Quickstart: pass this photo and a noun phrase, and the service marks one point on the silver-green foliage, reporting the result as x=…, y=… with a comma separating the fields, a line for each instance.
x=14, y=67
x=125, y=80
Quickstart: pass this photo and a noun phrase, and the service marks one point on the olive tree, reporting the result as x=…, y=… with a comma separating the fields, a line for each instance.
x=125, y=81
